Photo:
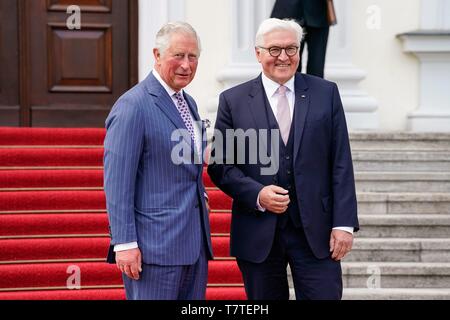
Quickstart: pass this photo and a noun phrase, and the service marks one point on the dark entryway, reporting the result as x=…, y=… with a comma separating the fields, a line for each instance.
x=51, y=76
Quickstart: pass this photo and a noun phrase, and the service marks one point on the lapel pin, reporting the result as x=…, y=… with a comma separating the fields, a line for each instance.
x=303, y=96
x=206, y=123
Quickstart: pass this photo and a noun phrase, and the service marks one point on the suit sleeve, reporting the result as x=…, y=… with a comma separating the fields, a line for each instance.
x=343, y=182
x=222, y=169
x=123, y=148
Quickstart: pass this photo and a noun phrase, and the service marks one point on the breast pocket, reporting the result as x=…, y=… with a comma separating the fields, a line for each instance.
x=316, y=122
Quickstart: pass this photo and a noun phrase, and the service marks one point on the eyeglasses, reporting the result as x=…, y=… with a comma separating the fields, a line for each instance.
x=276, y=51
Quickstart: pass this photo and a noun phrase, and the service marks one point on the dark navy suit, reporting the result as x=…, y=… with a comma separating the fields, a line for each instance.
x=316, y=168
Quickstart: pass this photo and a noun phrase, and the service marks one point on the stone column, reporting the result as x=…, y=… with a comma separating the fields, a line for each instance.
x=246, y=15
x=152, y=15
x=361, y=110
x=431, y=45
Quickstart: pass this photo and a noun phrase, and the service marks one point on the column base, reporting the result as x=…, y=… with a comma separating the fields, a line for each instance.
x=429, y=121
x=360, y=121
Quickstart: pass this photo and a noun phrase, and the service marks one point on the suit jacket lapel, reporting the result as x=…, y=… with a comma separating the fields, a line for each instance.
x=257, y=102
x=165, y=103
x=192, y=108
x=300, y=111
x=195, y=114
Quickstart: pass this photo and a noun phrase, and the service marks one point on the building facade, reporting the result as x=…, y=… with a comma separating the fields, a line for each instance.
x=390, y=59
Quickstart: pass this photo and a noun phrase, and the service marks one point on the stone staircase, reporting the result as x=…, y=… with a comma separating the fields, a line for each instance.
x=403, y=248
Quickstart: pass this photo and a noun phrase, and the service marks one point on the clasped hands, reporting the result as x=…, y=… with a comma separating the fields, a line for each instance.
x=276, y=199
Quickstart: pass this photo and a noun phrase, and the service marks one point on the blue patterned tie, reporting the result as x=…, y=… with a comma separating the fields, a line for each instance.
x=183, y=109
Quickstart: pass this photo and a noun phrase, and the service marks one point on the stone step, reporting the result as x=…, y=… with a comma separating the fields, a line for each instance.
x=395, y=294
x=399, y=141
x=382, y=160
x=396, y=275
x=402, y=181
x=390, y=294
x=403, y=203
x=404, y=226
x=399, y=250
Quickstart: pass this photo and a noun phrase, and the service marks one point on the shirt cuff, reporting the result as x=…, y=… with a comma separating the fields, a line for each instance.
x=125, y=246
x=347, y=229
x=206, y=196
x=258, y=205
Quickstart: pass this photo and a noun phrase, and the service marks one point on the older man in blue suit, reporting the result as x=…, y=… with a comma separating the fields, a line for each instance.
x=155, y=197
x=304, y=213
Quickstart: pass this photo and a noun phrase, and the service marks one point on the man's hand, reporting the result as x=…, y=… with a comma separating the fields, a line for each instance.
x=274, y=198
x=341, y=243
x=130, y=262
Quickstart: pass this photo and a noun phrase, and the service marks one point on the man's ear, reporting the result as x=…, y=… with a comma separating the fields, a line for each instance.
x=156, y=54
x=258, y=54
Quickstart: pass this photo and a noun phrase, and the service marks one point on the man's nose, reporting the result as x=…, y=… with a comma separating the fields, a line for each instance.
x=185, y=62
x=283, y=55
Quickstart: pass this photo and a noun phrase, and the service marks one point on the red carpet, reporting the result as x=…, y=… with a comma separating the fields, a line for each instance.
x=53, y=216
x=51, y=157
x=50, y=179
x=52, y=137
x=73, y=248
x=212, y=293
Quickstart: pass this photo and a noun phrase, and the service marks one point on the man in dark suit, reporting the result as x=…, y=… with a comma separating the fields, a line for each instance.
x=158, y=215
x=303, y=214
x=312, y=16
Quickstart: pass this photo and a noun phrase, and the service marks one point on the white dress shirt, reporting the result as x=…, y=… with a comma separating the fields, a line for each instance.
x=271, y=87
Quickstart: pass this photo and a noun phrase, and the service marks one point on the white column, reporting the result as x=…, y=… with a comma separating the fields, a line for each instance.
x=152, y=15
x=360, y=108
x=431, y=45
x=246, y=15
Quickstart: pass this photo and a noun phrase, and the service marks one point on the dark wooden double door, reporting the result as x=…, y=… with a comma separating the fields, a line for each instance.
x=52, y=76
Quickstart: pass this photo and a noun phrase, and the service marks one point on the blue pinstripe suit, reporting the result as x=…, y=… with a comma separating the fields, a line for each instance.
x=150, y=199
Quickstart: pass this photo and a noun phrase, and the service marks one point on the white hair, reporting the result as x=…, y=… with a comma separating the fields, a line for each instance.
x=273, y=24
x=164, y=35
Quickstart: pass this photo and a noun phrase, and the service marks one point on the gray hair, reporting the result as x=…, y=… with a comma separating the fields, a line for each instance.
x=163, y=36
x=274, y=24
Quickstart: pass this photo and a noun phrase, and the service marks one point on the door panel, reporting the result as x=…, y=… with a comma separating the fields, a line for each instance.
x=9, y=64
x=85, y=5
x=80, y=61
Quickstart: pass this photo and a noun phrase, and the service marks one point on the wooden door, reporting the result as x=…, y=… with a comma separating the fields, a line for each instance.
x=71, y=78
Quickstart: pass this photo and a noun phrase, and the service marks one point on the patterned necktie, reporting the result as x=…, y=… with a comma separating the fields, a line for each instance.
x=183, y=109
x=283, y=114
